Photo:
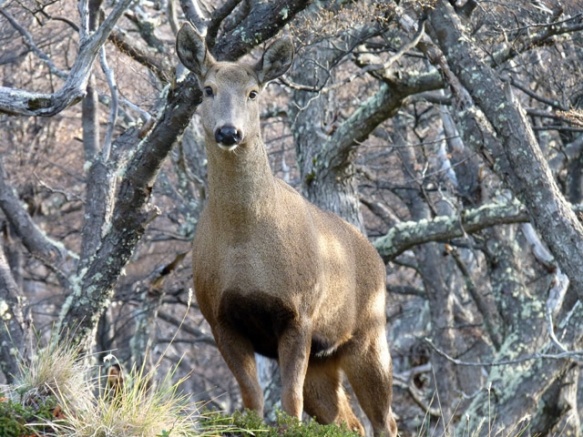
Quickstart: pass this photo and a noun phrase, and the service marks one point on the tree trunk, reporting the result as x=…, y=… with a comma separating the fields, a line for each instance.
x=528, y=173
x=333, y=188
x=11, y=322
x=434, y=270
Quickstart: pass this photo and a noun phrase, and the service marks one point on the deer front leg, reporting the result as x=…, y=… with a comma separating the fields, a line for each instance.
x=293, y=355
x=239, y=355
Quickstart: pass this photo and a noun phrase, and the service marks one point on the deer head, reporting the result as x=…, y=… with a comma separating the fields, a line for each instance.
x=230, y=111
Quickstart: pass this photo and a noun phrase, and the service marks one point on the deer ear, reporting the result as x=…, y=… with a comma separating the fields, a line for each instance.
x=275, y=61
x=192, y=51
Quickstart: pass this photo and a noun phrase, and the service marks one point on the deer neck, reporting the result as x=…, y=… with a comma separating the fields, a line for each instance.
x=241, y=185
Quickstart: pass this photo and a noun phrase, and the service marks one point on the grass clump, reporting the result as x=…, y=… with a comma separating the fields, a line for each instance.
x=31, y=405
x=141, y=406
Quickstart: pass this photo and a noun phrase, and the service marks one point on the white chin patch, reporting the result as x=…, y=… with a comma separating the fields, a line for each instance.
x=227, y=148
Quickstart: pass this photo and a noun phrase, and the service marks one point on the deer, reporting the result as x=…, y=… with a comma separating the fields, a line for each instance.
x=273, y=273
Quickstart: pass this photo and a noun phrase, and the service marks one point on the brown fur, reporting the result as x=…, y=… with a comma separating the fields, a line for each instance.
x=274, y=274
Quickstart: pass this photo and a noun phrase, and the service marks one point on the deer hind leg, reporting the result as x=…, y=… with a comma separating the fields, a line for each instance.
x=368, y=366
x=239, y=355
x=325, y=398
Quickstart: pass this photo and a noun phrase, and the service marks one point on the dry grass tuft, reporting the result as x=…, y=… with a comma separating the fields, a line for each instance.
x=574, y=116
x=83, y=403
x=141, y=407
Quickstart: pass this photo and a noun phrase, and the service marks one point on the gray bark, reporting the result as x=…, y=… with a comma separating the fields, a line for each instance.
x=130, y=216
x=517, y=393
x=36, y=241
x=499, y=131
x=331, y=187
x=434, y=271
x=406, y=235
x=528, y=173
x=12, y=329
x=262, y=22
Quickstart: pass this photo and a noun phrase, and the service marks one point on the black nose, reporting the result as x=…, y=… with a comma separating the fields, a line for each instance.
x=227, y=135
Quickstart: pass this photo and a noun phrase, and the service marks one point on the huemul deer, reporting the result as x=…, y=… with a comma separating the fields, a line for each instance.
x=273, y=274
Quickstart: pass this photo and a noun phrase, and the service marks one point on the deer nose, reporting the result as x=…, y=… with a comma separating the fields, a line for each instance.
x=228, y=135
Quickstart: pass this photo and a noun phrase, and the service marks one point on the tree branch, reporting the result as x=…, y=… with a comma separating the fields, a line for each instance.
x=194, y=14
x=374, y=111
x=125, y=45
x=112, y=84
x=445, y=228
x=35, y=241
x=263, y=21
x=22, y=102
x=218, y=17
x=29, y=41
x=532, y=357
x=537, y=38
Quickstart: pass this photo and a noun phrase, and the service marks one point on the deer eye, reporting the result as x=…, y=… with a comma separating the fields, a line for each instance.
x=253, y=94
x=208, y=91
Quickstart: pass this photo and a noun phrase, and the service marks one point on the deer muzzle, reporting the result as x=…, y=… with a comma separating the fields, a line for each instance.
x=228, y=136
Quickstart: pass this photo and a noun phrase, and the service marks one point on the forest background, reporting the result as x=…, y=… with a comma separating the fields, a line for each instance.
x=450, y=132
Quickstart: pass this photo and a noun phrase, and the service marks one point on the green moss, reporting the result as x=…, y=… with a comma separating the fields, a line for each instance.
x=249, y=424
x=40, y=103
x=18, y=420
x=310, y=178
